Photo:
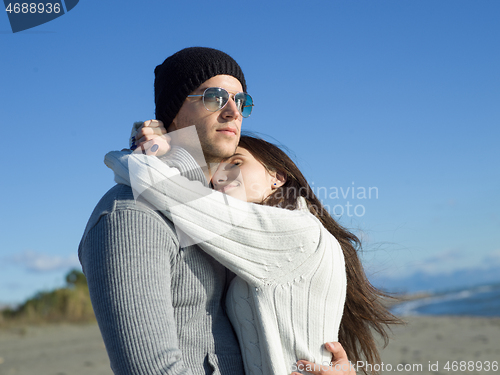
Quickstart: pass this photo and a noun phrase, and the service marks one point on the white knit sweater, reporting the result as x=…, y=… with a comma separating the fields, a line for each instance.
x=288, y=297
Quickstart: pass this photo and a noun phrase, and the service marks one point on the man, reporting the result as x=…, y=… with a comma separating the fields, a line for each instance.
x=160, y=306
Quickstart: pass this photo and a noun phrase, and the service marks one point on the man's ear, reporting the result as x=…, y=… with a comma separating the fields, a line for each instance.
x=279, y=179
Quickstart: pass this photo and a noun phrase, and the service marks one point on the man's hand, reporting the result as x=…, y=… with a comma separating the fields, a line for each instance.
x=151, y=138
x=340, y=365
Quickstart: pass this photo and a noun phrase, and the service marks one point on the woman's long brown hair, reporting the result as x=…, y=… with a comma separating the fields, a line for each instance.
x=364, y=309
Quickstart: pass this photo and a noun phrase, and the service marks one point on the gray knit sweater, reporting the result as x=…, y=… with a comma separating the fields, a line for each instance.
x=159, y=307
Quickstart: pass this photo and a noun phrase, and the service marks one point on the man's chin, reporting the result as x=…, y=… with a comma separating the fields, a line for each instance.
x=216, y=154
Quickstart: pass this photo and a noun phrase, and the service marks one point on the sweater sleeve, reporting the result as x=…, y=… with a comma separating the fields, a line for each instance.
x=126, y=257
x=258, y=243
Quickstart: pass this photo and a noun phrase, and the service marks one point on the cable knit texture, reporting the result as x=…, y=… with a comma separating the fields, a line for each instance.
x=159, y=307
x=288, y=297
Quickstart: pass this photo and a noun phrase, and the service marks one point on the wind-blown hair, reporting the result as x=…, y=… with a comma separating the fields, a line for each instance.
x=364, y=309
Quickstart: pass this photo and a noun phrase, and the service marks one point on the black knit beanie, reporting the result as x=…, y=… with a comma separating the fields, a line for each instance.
x=183, y=72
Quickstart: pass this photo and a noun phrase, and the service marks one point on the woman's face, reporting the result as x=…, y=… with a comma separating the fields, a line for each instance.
x=244, y=177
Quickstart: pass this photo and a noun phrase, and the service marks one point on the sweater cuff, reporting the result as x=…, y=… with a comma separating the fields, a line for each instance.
x=179, y=158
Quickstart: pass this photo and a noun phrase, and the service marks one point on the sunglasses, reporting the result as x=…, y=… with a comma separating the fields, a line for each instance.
x=216, y=98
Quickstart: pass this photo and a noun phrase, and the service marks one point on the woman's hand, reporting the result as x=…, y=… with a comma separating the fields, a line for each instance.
x=340, y=365
x=151, y=138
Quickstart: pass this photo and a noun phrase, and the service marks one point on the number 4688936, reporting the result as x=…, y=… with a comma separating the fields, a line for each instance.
x=33, y=8
x=471, y=366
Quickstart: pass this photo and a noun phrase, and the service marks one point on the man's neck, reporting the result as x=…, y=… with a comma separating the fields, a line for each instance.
x=207, y=163
x=207, y=172
x=210, y=167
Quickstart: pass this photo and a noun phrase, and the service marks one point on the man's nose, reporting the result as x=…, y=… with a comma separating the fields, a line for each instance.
x=230, y=110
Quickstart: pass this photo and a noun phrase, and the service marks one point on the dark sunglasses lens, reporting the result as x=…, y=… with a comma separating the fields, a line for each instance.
x=215, y=98
x=244, y=103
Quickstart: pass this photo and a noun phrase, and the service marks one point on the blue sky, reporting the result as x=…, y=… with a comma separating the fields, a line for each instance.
x=401, y=96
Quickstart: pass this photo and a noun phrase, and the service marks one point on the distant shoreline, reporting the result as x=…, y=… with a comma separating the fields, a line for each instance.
x=403, y=298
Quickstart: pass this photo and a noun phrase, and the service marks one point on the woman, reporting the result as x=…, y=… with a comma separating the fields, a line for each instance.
x=290, y=262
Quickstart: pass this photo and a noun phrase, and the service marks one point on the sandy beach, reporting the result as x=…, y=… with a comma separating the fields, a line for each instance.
x=423, y=342
x=436, y=341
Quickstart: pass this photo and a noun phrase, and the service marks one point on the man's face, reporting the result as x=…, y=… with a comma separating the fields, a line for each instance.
x=218, y=132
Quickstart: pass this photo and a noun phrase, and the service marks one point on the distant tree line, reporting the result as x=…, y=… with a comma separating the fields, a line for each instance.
x=69, y=304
